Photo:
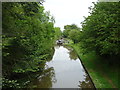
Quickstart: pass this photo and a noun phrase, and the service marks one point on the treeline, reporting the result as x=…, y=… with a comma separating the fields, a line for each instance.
x=28, y=36
x=97, y=43
x=100, y=30
x=72, y=32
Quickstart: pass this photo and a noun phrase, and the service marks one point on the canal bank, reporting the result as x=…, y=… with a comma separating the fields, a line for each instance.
x=100, y=71
x=83, y=65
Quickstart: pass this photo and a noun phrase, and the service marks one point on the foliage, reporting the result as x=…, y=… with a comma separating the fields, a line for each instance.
x=72, y=32
x=58, y=33
x=28, y=36
x=101, y=29
x=75, y=35
x=72, y=26
x=98, y=43
x=66, y=33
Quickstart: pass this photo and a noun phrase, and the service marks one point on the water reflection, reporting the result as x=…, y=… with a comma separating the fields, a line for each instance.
x=63, y=71
x=86, y=83
x=68, y=68
x=45, y=79
x=73, y=55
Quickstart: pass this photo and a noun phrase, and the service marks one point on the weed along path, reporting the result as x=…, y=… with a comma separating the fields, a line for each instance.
x=64, y=71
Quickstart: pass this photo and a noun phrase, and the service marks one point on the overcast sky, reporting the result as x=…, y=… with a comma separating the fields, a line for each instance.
x=68, y=12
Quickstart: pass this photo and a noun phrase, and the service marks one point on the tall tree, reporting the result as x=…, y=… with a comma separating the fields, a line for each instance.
x=28, y=36
x=68, y=28
x=102, y=28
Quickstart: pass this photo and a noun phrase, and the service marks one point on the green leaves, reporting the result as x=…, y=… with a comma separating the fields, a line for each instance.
x=100, y=29
x=74, y=35
x=72, y=32
x=28, y=36
x=10, y=83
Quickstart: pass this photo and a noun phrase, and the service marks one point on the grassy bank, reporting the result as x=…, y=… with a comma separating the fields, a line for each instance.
x=102, y=73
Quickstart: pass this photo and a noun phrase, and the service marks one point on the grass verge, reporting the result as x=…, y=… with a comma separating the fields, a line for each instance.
x=102, y=74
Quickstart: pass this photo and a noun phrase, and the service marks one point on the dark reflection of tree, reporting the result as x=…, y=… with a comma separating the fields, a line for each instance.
x=72, y=53
x=45, y=80
x=87, y=83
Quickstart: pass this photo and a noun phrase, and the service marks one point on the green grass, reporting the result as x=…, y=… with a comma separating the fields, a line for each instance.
x=102, y=74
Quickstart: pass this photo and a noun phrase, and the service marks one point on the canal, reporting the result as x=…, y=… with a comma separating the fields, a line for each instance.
x=64, y=71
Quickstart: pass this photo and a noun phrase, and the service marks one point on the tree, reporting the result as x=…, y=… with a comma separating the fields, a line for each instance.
x=28, y=37
x=68, y=28
x=74, y=35
x=72, y=26
x=101, y=29
x=58, y=32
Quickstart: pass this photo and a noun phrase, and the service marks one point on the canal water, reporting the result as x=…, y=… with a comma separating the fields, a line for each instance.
x=64, y=71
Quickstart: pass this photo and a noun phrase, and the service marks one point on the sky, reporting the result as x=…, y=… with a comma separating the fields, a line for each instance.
x=67, y=12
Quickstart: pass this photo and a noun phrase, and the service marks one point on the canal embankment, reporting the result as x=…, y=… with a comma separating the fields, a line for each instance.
x=76, y=50
x=100, y=72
